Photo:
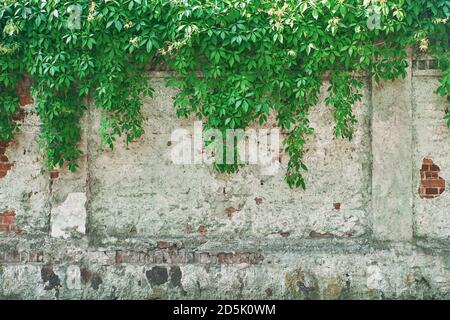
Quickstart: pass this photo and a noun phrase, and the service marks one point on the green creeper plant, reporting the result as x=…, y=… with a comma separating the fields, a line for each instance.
x=234, y=63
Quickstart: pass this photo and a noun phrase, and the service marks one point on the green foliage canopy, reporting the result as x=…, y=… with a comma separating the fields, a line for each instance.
x=234, y=62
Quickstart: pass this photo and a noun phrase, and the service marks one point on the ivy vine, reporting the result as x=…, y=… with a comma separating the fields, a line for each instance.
x=234, y=62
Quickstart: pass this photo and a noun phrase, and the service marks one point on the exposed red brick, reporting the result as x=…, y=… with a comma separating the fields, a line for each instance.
x=163, y=244
x=432, y=191
x=19, y=115
x=5, y=165
x=54, y=174
x=230, y=211
x=337, y=205
x=429, y=174
x=86, y=276
x=434, y=168
x=202, y=230
x=23, y=90
x=258, y=200
x=8, y=221
x=431, y=185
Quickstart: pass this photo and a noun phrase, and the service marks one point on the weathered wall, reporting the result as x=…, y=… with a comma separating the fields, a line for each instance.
x=374, y=221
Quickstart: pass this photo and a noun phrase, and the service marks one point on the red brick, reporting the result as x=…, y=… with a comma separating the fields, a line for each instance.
x=23, y=90
x=8, y=221
x=258, y=200
x=230, y=211
x=202, y=230
x=9, y=214
x=5, y=166
x=3, y=144
x=2, y=150
x=337, y=205
x=3, y=158
x=25, y=99
x=7, y=227
x=435, y=168
x=432, y=191
x=86, y=275
x=431, y=174
x=54, y=174
x=433, y=183
x=3, y=173
x=20, y=114
x=163, y=244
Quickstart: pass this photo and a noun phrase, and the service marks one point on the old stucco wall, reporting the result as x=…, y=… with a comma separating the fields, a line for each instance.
x=131, y=224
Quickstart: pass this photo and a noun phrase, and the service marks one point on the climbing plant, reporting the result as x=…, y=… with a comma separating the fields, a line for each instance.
x=234, y=62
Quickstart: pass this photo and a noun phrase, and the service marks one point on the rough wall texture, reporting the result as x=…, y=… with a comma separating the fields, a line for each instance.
x=131, y=224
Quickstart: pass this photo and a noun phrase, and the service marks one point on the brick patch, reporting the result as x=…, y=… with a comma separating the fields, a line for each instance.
x=23, y=90
x=14, y=256
x=8, y=221
x=431, y=185
x=5, y=164
x=315, y=234
x=202, y=230
x=183, y=256
x=54, y=174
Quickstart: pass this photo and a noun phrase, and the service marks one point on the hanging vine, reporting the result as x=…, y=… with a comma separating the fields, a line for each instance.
x=234, y=62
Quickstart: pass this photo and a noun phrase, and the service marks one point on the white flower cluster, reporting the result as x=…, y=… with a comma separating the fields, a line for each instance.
x=128, y=25
x=440, y=20
x=424, y=43
x=10, y=29
x=173, y=46
x=279, y=17
x=134, y=41
x=92, y=11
